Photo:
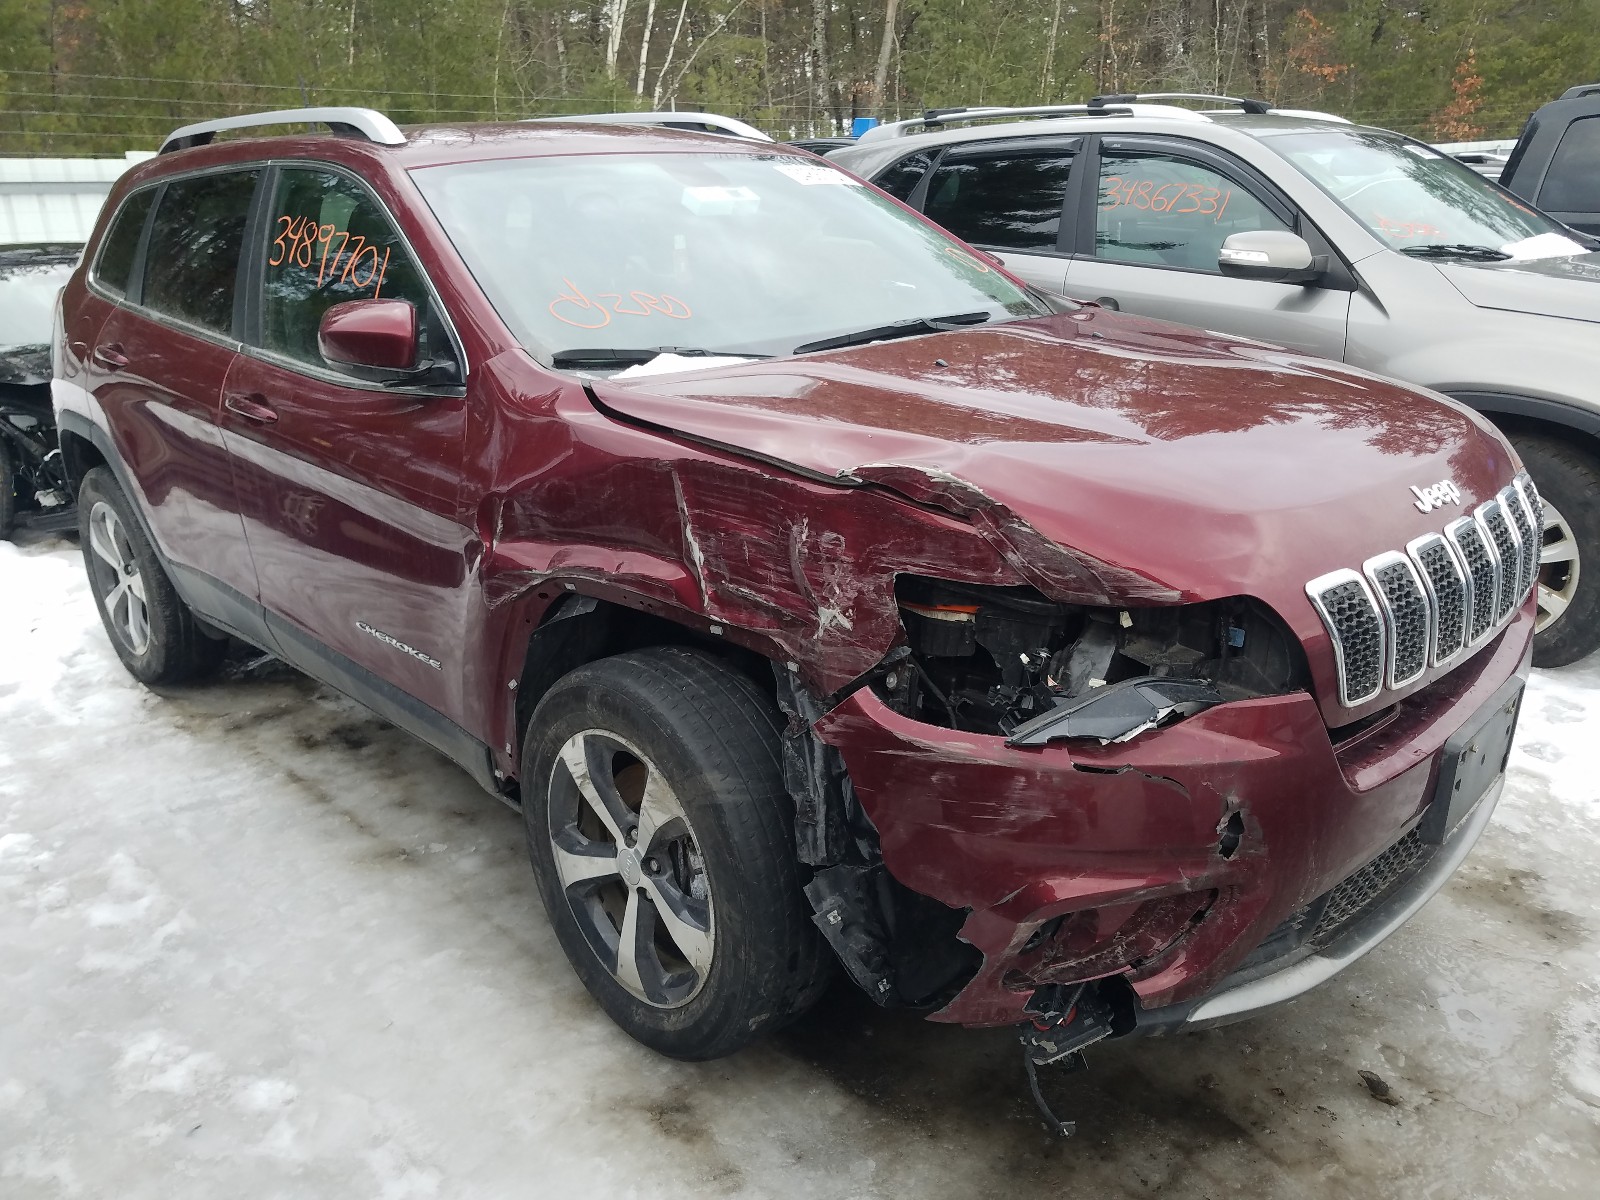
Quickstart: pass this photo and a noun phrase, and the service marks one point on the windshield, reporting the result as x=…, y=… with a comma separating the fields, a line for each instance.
x=28, y=298
x=1412, y=196
x=718, y=253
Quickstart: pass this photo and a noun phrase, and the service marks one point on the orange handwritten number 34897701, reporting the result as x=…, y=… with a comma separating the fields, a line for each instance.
x=296, y=244
x=574, y=308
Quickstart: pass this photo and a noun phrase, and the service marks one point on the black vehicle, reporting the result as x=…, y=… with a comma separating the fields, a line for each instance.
x=33, y=486
x=1556, y=162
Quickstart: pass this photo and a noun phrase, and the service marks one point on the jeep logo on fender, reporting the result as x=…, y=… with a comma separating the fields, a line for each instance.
x=1442, y=493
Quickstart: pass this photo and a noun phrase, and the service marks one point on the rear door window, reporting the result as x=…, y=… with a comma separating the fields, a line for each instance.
x=901, y=179
x=328, y=240
x=192, y=263
x=1167, y=210
x=114, y=268
x=1006, y=199
x=1573, y=182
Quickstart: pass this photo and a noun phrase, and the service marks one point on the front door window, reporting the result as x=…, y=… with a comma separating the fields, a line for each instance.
x=328, y=241
x=1164, y=210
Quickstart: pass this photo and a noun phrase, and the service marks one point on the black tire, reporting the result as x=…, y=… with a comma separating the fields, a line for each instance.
x=1569, y=481
x=711, y=737
x=8, y=491
x=174, y=649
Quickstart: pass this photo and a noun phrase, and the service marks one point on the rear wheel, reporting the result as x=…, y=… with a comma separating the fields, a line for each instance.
x=152, y=630
x=660, y=834
x=1568, y=625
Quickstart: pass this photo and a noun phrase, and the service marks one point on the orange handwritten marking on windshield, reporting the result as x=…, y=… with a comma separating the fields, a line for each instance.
x=977, y=264
x=1180, y=198
x=575, y=308
x=1401, y=230
x=296, y=244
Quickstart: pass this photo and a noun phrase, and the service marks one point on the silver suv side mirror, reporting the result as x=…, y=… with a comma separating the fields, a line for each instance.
x=1270, y=255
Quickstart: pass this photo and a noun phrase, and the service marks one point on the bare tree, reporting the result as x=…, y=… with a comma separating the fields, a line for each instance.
x=644, y=46
x=616, y=11
x=881, y=76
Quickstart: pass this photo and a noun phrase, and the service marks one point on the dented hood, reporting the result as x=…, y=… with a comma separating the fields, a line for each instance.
x=1193, y=464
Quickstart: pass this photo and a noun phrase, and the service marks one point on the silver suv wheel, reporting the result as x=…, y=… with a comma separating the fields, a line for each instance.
x=1558, y=568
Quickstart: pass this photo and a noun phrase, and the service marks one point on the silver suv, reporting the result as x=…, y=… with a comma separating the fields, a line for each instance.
x=1301, y=229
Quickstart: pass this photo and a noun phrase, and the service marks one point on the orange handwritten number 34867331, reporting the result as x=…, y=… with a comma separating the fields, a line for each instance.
x=575, y=308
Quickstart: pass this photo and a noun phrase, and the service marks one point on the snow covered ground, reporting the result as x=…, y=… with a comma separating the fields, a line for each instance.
x=255, y=943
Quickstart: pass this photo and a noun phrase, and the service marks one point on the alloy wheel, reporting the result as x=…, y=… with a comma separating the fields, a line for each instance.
x=118, y=579
x=631, y=869
x=1558, y=568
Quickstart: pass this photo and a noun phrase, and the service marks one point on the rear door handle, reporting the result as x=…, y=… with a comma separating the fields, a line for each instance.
x=110, y=356
x=252, y=407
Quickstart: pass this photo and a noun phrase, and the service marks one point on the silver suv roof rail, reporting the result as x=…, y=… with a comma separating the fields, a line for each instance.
x=937, y=118
x=1255, y=108
x=365, y=122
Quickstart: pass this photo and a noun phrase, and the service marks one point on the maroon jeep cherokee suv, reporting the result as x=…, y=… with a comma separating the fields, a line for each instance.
x=817, y=591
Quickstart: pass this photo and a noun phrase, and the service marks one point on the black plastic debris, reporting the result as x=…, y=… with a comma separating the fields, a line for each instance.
x=1118, y=711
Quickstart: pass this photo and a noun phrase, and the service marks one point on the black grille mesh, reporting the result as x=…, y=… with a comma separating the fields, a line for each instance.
x=1439, y=565
x=1355, y=623
x=1481, y=567
x=1494, y=519
x=1360, y=892
x=1408, y=608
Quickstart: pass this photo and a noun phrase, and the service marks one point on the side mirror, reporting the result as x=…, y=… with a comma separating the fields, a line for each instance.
x=374, y=340
x=1272, y=256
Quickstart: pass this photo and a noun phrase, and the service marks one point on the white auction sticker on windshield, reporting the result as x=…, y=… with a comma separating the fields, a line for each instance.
x=810, y=173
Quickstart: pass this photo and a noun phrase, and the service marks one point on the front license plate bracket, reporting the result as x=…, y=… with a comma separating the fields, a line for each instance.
x=1474, y=757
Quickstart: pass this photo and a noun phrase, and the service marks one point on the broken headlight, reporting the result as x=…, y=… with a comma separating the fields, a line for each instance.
x=1010, y=661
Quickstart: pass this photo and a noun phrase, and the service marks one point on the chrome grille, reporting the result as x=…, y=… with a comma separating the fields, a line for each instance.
x=1350, y=612
x=1404, y=613
x=1491, y=519
x=1482, y=574
x=1522, y=527
x=1446, y=583
x=1408, y=624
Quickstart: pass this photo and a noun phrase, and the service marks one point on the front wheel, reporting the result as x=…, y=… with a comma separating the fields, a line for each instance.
x=661, y=838
x=1568, y=626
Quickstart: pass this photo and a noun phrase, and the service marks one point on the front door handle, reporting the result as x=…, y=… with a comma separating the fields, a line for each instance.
x=253, y=407
x=110, y=356
x=1108, y=302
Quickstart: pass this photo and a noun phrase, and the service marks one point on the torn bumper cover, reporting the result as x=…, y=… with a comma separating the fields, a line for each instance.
x=1167, y=859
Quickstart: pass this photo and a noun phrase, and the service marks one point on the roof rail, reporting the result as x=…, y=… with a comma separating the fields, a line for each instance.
x=713, y=122
x=1254, y=107
x=365, y=122
x=935, y=118
x=1583, y=89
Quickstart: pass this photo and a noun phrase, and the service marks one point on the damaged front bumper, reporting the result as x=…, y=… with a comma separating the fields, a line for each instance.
x=1188, y=864
x=1265, y=981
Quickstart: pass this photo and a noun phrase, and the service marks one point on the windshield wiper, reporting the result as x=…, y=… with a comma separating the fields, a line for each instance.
x=604, y=358
x=1457, y=250
x=898, y=329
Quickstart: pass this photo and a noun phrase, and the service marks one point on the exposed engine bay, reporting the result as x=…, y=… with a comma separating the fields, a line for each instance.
x=1009, y=661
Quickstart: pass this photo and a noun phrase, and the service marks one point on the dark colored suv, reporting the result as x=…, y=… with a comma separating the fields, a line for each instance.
x=817, y=590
